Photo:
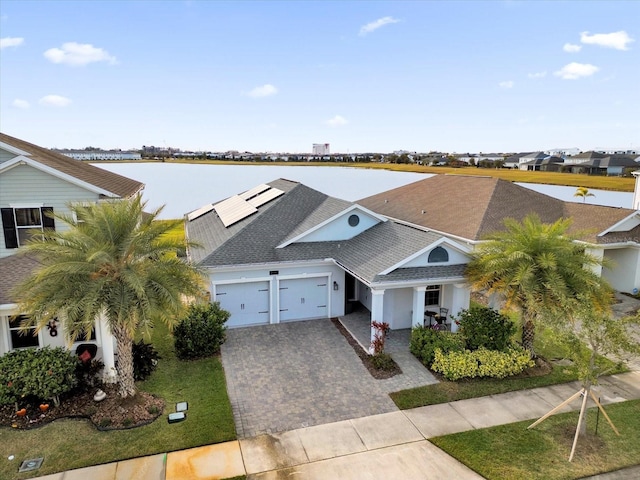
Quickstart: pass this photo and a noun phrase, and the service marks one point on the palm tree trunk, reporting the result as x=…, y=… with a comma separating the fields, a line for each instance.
x=528, y=336
x=126, y=382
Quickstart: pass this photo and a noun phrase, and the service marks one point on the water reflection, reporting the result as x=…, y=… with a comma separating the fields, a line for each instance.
x=185, y=187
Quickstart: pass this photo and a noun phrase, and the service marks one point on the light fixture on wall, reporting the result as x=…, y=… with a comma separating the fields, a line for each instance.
x=335, y=285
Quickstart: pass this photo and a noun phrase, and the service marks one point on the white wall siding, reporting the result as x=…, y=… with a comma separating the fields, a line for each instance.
x=455, y=258
x=339, y=229
x=25, y=185
x=623, y=274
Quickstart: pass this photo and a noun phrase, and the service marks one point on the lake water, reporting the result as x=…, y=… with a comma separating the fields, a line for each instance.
x=186, y=187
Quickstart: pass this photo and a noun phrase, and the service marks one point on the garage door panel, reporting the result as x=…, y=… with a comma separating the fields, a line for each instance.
x=248, y=303
x=303, y=298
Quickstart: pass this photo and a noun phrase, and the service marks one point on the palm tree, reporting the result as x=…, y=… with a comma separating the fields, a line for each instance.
x=537, y=269
x=113, y=260
x=584, y=193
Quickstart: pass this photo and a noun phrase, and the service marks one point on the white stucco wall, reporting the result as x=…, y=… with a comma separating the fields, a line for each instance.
x=624, y=274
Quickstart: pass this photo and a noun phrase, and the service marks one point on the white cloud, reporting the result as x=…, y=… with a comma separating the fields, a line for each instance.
x=571, y=47
x=7, y=42
x=537, y=75
x=618, y=40
x=573, y=71
x=78, y=54
x=263, y=91
x=372, y=26
x=54, y=101
x=337, y=121
x=506, y=84
x=19, y=103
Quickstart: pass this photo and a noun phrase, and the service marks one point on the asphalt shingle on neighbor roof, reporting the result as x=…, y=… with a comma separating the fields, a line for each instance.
x=472, y=207
x=366, y=255
x=14, y=270
x=112, y=182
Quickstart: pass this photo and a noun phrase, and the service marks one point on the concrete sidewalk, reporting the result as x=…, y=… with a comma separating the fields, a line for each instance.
x=389, y=445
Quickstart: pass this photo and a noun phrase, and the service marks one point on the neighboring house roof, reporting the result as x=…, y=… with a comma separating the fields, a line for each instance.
x=534, y=156
x=15, y=269
x=544, y=161
x=118, y=185
x=611, y=161
x=472, y=207
x=256, y=239
x=587, y=155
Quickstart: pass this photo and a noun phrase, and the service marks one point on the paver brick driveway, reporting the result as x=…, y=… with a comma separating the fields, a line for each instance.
x=293, y=375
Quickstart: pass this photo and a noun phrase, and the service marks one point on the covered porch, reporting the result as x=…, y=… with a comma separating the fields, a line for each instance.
x=414, y=374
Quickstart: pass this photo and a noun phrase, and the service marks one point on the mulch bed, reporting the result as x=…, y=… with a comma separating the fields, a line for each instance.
x=112, y=413
x=365, y=357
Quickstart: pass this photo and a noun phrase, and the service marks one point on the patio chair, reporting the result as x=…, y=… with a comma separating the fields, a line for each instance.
x=441, y=318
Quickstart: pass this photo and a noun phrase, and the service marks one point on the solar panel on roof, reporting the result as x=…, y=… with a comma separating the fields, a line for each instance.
x=265, y=197
x=199, y=212
x=254, y=191
x=233, y=209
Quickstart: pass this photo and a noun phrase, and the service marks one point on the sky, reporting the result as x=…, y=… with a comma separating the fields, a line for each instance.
x=363, y=76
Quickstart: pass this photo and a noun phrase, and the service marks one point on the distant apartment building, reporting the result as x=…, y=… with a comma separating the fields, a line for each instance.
x=320, y=149
x=96, y=155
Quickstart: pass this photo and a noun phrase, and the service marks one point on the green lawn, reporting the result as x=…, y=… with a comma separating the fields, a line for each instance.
x=68, y=444
x=513, y=452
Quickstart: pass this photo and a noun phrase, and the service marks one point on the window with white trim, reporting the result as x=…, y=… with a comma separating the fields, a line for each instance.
x=432, y=295
x=18, y=223
x=19, y=338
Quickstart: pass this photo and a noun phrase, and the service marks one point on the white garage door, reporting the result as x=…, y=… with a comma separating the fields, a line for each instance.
x=248, y=303
x=303, y=298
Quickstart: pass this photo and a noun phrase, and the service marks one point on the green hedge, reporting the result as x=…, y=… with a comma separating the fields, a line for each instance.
x=483, y=327
x=456, y=365
x=425, y=341
x=44, y=373
x=201, y=332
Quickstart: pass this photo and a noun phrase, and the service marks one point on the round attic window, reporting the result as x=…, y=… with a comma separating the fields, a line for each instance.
x=354, y=220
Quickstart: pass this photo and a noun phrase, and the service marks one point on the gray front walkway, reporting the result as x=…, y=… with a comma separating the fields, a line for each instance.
x=295, y=375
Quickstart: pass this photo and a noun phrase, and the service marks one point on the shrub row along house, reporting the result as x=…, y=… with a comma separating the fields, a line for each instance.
x=34, y=181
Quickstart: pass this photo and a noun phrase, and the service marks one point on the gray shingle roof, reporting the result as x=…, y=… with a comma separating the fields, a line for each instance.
x=112, y=182
x=14, y=269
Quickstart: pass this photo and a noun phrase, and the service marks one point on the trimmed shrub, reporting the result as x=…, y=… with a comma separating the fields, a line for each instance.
x=483, y=327
x=425, y=341
x=382, y=361
x=89, y=374
x=44, y=373
x=201, y=332
x=481, y=363
x=145, y=360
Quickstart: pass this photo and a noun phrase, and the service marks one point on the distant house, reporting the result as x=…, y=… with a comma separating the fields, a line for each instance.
x=594, y=163
x=34, y=182
x=284, y=252
x=98, y=155
x=546, y=164
x=467, y=208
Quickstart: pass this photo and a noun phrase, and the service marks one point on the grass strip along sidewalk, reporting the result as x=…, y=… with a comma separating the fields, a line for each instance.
x=69, y=444
x=513, y=452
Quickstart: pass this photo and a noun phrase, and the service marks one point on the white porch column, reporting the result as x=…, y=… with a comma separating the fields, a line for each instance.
x=460, y=301
x=109, y=373
x=377, y=312
x=417, y=319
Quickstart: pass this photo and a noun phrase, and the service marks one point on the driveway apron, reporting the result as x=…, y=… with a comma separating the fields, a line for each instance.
x=295, y=375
